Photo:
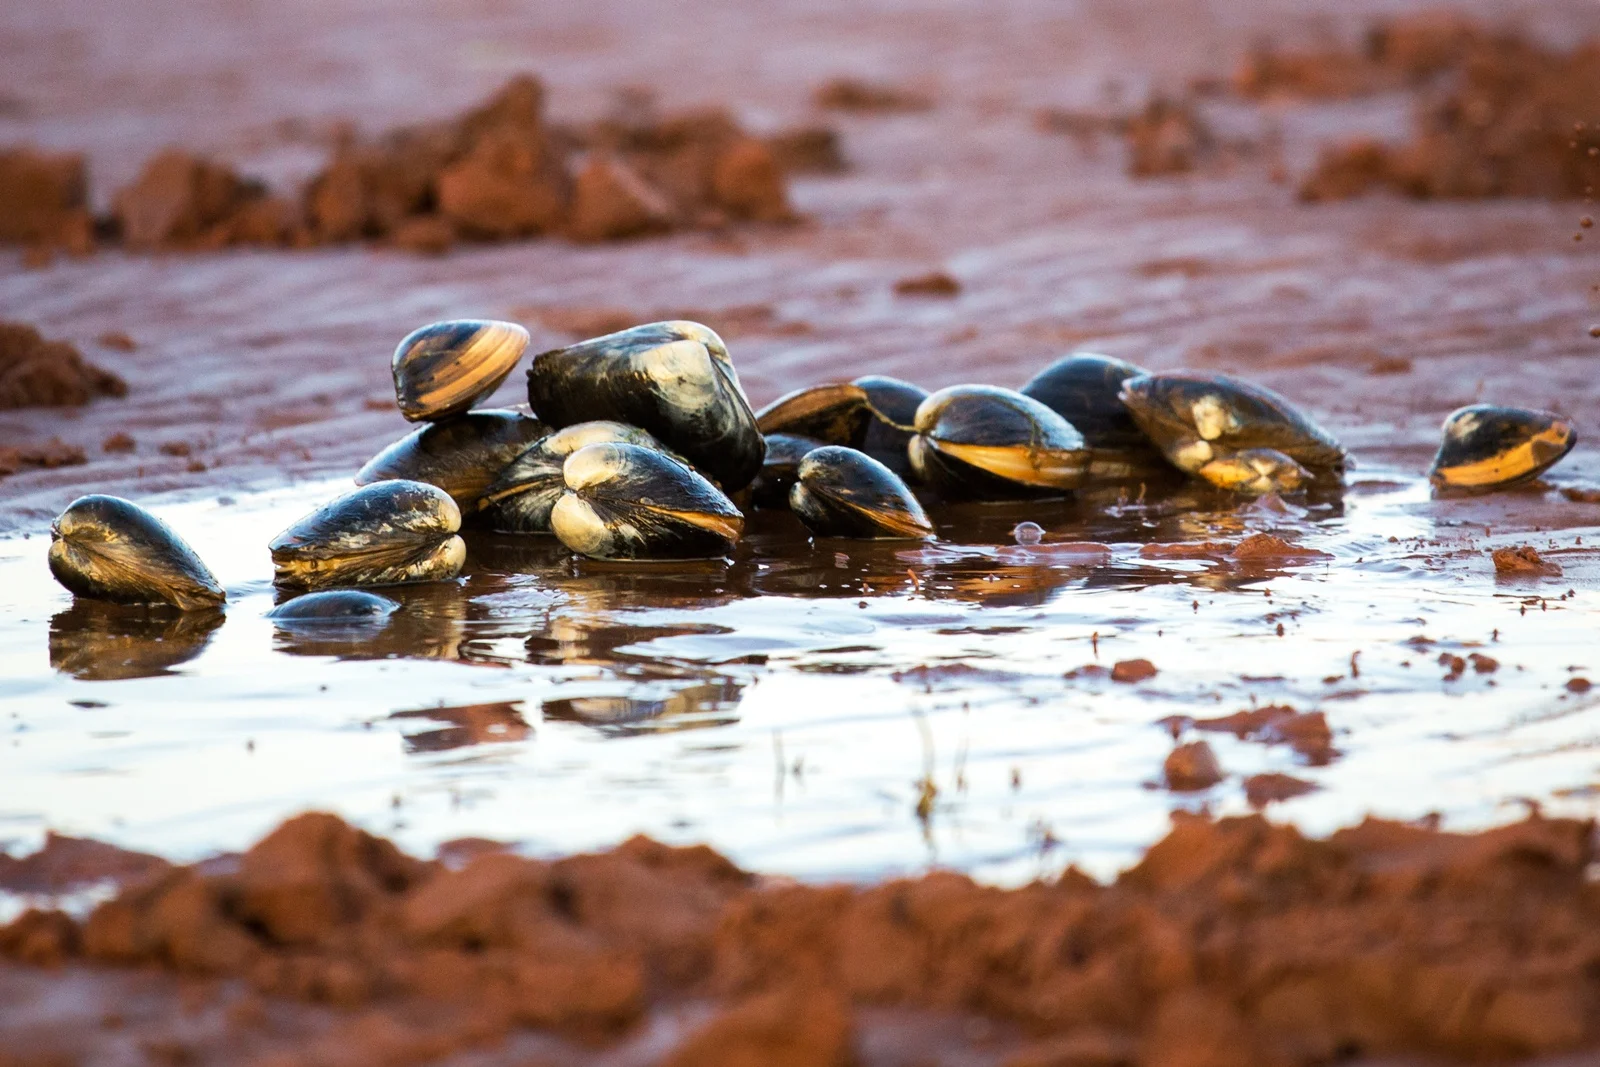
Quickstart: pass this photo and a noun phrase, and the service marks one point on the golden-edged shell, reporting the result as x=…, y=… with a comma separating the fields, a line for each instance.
x=627, y=502
x=107, y=548
x=386, y=533
x=445, y=368
x=991, y=443
x=841, y=492
x=1490, y=447
x=462, y=456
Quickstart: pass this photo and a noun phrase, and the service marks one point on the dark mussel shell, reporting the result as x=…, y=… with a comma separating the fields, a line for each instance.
x=99, y=641
x=1256, y=471
x=990, y=443
x=1197, y=418
x=386, y=533
x=462, y=455
x=895, y=404
x=444, y=369
x=673, y=379
x=1488, y=447
x=627, y=502
x=334, y=607
x=1084, y=388
x=835, y=414
x=845, y=493
x=520, y=499
x=107, y=548
x=780, y=469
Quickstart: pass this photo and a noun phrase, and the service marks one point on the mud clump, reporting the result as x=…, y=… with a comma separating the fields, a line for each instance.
x=35, y=372
x=1523, y=561
x=1307, y=733
x=53, y=453
x=1130, y=671
x=1272, y=787
x=857, y=95
x=1192, y=768
x=182, y=201
x=934, y=283
x=44, y=200
x=1168, y=137
x=1397, y=53
x=1233, y=935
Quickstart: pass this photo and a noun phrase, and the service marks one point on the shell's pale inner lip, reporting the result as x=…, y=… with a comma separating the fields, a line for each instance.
x=898, y=521
x=1534, y=453
x=728, y=526
x=1043, y=467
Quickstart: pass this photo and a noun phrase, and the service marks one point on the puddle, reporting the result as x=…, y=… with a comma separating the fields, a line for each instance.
x=836, y=709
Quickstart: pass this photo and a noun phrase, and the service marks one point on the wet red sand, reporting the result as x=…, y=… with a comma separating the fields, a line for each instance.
x=1232, y=942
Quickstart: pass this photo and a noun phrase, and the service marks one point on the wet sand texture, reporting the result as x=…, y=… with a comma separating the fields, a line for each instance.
x=1237, y=936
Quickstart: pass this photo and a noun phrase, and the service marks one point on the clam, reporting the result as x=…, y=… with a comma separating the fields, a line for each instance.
x=520, y=499
x=1488, y=447
x=990, y=443
x=107, y=548
x=629, y=502
x=385, y=533
x=1199, y=419
x=334, y=607
x=835, y=414
x=780, y=468
x=444, y=369
x=462, y=456
x=1083, y=388
x=1256, y=471
x=673, y=379
x=841, y=492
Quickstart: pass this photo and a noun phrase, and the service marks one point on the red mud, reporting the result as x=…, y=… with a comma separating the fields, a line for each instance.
x=1307, y=733
x=1232, y=942
x=35, y=372
x=1523, y=561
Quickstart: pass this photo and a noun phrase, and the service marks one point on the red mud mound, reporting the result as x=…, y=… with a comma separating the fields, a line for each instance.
x=1232, y=942
x=1402, y=52
x=35, y=372
x=44, y=200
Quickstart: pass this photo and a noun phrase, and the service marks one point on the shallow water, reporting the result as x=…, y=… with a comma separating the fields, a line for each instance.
x=822, y=710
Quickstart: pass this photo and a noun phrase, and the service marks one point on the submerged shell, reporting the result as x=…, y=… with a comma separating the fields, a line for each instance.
x=991, y=443
x=845, y=493
x=333, y=607
x=380, y=534
x=628, y=502
x=462, y=455
x=1197, y=418
x=673, y=379
x=1084, y=389
x=445, y=368
x=1256, y=471
x=1488, y=447
x=520, y=499
x=835, y=414
x=780, y=469
x=107, y=548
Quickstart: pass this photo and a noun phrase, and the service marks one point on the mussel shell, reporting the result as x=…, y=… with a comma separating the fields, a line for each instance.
x=385, y=533
x=780, y=469
x=1196, y=418
x=1256, y=471
x=836, y=414
x=445, y=368
x=990, y=443
x=895, y=404
x=107, y=548
x=520, y=499
x=841, y=492
x=1084, y=388
x=334, y=607
x=1488, y=447
x=462, y=455
x=627, y=502
x=673, y=379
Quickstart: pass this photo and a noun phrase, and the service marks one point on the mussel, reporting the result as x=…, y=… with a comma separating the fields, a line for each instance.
x=989, y=443
x=462, y=455
x=673, y=379
x=1488, y=447
x=444, y=369
x=1200, y=419
x=836, y=414
x=780, y=468
x=841, y=492
x=385, y=533
x=628, y=502
x=895, y=404
x=107, y=548
x=334, y=607
x=1256, y=472
x=520, y=499
x=1083, y=388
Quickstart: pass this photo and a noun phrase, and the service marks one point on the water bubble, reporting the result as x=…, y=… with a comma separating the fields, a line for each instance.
x=1028, y=533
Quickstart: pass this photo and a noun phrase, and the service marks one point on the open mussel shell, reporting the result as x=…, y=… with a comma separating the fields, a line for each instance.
x=988, y=443
x=386, y=533
x=520, y=499
x=673, y=379
x=1488, y=447
x=780, y=469
x=107, y=548
x=627, y=502
x=462, y=455
x=444, y=369
x=845, y=493
x=1197, y=418
x=1084, y=389
x=835, y=414
x=1256, y=472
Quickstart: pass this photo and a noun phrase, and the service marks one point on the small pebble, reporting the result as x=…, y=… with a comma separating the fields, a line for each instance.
x=1192, y=767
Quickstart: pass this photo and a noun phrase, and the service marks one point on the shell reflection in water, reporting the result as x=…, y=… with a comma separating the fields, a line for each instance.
x=464, y=725
x=100, y=641
x=1487, y=447
x=107, y=548
x=461, y=456
x=445, y=368
x=673, y=379
x=780, y=468
x=1084, y=389
x=841, y=492
x=386, y=533
x=687, y=707
x=521, y=498
x=1200, y=419
x=988, y=443
x=626, y=502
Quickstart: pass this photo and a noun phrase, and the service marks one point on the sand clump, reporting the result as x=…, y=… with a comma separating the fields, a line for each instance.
x=36, y=372
x=1523, y=561
x=44, y=200
x=1235, y=935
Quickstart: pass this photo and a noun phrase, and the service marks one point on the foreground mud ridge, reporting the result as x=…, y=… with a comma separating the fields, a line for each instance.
x=1230, y=942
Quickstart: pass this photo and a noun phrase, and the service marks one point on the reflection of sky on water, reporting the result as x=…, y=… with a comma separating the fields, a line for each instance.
x=756, y=704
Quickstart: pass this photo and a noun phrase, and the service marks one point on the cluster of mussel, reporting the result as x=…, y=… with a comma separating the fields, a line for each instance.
x=644, y=447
